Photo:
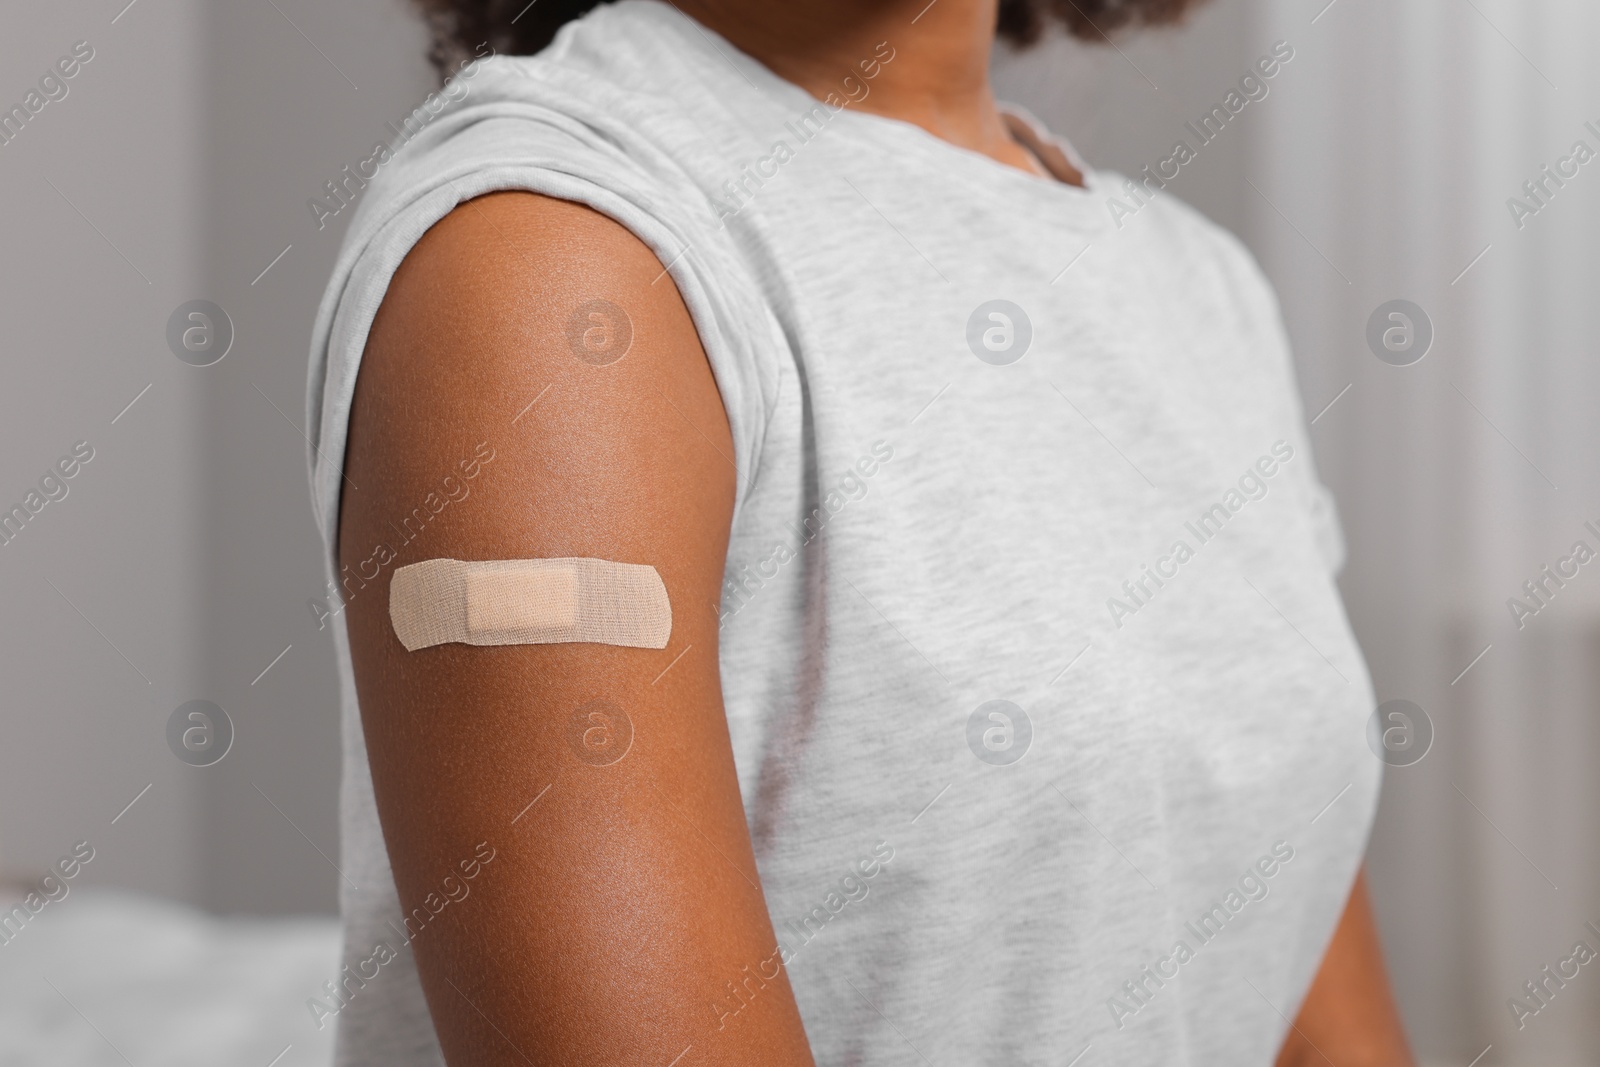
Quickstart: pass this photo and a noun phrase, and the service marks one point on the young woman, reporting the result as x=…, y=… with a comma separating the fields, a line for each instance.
x=1008, y=714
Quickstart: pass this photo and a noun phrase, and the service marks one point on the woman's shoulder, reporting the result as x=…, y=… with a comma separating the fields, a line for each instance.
x=610, y=117
x=1197, y=256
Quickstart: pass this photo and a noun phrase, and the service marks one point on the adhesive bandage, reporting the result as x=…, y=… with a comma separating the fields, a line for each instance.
x=529, y=602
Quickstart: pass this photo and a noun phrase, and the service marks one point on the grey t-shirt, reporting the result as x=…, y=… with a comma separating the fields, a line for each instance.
x=1038, y=681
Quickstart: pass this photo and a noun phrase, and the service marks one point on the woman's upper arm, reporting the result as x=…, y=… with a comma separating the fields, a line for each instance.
x=621, y=903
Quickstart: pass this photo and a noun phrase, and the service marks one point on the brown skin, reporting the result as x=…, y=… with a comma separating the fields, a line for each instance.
x=1348, y=1018
x=619, y=905
x=939, y=78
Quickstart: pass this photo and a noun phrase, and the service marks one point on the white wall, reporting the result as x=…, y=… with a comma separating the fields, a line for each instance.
x=190, y=144
x=289, y=105
x=85, y=291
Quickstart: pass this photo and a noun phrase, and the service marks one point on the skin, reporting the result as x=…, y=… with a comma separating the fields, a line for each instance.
x=944, y=88
x=620, y=904
x=621, y=899
x=1348, y=1018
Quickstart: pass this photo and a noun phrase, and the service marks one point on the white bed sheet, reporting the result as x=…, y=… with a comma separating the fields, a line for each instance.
x=109, y=979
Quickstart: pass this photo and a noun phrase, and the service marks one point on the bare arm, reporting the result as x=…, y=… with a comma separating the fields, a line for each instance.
x=1349, y=1018
x=619, y=905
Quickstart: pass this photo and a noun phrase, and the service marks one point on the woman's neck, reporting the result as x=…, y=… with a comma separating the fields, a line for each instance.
x=938, y=78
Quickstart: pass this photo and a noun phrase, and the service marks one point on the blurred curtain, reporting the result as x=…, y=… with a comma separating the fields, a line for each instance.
x=1384, y=163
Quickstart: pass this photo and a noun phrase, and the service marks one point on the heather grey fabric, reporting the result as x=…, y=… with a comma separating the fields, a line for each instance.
x=1039, y=684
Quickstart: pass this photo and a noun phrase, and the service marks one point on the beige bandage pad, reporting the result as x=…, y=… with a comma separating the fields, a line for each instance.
x=529, y=602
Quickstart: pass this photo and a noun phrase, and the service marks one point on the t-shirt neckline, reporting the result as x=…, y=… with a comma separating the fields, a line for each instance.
x=872, y=128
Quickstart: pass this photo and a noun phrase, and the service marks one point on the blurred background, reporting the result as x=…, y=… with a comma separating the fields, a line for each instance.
x=182, y=563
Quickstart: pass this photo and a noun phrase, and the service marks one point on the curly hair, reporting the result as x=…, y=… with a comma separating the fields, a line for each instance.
x=514, y=27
